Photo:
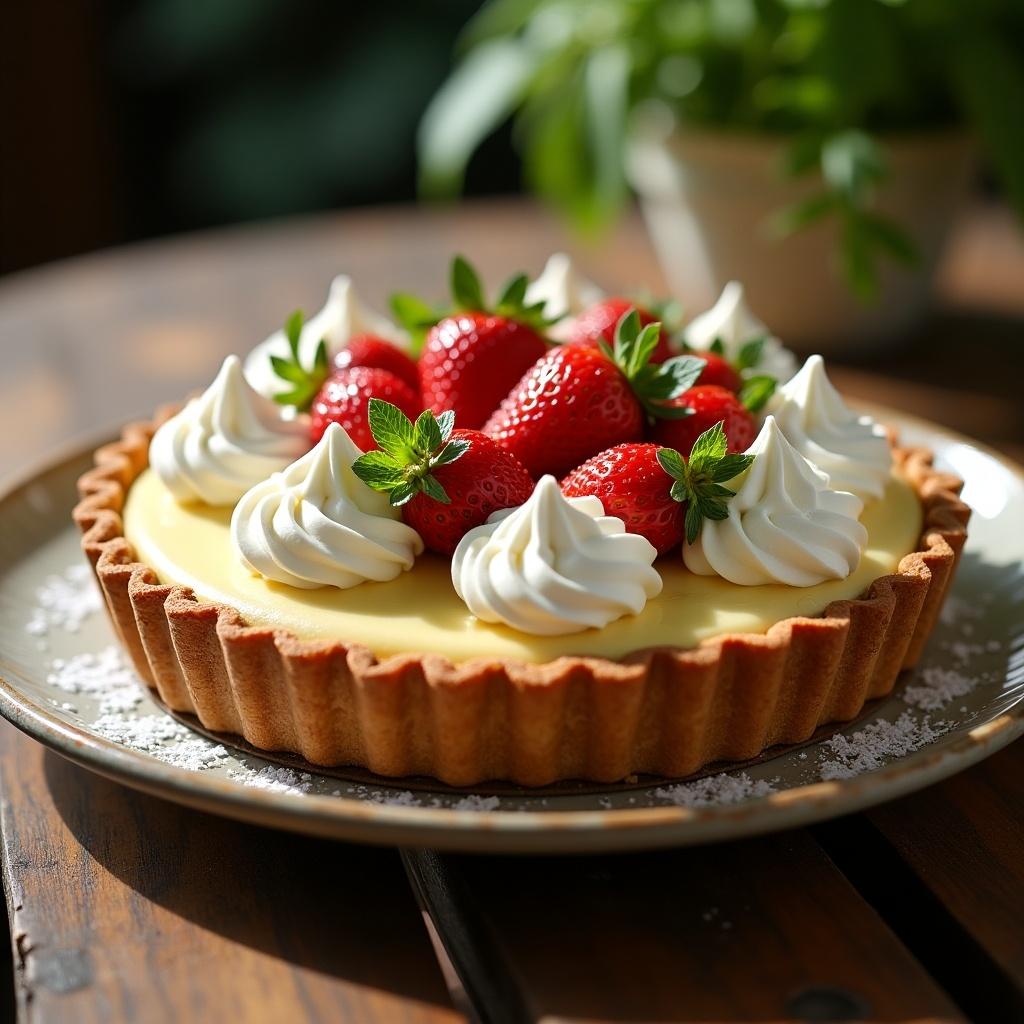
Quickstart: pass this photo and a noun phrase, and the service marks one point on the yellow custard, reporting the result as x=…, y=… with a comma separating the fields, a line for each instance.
x=420, y=611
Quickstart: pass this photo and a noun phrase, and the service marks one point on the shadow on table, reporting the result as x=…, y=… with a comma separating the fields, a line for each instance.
x=339, y=910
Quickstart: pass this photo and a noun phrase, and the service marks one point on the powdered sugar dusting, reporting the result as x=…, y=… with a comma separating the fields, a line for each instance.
x=64, y=601
x=877, y=743
x=715, y=790
x=274, y=780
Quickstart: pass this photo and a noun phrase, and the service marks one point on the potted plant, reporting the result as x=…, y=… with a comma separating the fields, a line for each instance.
x=815, y=149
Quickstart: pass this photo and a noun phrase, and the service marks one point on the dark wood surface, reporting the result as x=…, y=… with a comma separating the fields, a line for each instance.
x=125, y=908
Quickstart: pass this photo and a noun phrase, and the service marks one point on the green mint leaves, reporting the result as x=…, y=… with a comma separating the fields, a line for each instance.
x=303, y=383
x=756, y=391
x=654, y=384
x=409, y=452
x=699, y=479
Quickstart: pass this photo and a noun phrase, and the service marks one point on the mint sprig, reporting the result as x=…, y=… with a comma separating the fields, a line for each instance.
x=408, y=452
x=756, y=391
x=699, y=480
x=654, y=384
x=304, y=383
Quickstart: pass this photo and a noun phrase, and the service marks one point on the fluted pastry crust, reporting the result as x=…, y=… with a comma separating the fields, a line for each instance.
x=664, y=711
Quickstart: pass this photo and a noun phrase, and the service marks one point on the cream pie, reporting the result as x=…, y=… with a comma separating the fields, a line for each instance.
x=435, y=606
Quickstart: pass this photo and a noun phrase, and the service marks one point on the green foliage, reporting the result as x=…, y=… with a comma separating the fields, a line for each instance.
x=834, y=77
x=303, y=382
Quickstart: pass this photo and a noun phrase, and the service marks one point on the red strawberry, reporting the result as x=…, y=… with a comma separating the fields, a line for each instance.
x=656, y=492
x=369, y=350
x=445, y=481
x=708, y=405
x=471, y=358
x=577, y=400
x=718, y=370
x=632, y=486
x=600, y=320
x=344, y=398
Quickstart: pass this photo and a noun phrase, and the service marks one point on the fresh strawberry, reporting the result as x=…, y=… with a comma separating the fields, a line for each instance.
x=719, y=371
x=369, y=350
x=708, y=404
x=600, y=321
x=577, y=400
x=445, y=481
x=632, y=486
x=344, y=398
x=653, y=489
x=472, y=357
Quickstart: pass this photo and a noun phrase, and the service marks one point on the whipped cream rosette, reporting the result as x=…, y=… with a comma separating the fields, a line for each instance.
x=785, y=523
x=554, y=565
x=224, y=441
x=563, y=290
x=852, y=449
x=317, y=524
x=730, y=322
x=343, y=317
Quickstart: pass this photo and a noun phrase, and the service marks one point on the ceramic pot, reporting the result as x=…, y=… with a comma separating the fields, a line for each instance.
x=708, y=200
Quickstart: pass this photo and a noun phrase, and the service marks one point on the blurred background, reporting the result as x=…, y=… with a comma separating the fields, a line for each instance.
x=128, y=119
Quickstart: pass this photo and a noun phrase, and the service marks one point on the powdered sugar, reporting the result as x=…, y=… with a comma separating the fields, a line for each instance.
x=273, y=779
x=715, y=790
x=64, y=602
x=877, y=743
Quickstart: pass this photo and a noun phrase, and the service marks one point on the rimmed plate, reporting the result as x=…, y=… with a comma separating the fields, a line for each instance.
x=68, y=689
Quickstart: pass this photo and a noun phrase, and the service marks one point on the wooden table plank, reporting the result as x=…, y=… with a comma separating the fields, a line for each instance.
x=127, y=908
x=948, y=864
x=761, y=930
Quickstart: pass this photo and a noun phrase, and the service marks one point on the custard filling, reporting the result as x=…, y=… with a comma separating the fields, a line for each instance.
x=420, y=612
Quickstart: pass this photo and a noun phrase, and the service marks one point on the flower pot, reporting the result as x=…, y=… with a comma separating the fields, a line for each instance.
x=708, y=199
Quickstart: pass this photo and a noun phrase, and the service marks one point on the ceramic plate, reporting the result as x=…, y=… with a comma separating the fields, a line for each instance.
x=65, y=683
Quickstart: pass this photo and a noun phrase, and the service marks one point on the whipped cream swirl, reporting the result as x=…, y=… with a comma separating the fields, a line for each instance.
x=853, y=450
x=317, y=524
x=554, y=565
x=343, y=317
x=730, y=321
x=564, y=291
x=785, y=523
x=224, y=441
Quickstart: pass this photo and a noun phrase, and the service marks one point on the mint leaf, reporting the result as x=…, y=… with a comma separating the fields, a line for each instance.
x=445, y=422
x=379, y=471
x=693, y=522
x=449, y=453
x=710, y=446
x=432, y=489
x=293, y=332
x=426, y=433
x=305, y=383
x=391, y=429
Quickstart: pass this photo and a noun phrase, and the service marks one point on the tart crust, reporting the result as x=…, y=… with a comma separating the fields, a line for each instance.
x=663, y=711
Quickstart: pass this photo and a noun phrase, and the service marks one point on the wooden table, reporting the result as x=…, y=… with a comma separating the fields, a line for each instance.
x=126, y=908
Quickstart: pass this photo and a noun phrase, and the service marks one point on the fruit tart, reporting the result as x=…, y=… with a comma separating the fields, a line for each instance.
x=555, y=535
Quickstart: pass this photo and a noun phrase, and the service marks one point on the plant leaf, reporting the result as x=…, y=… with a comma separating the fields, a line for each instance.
x=445, y=423
x=379, y=471
x=756, y=391
x=391, y=429
x=403, y=493
x=466, y=287
x=432, y=489
x=514, y=293
x=450, y=452
x=426, y=433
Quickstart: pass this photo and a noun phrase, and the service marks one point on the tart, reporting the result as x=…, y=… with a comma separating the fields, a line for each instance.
x=403, y=675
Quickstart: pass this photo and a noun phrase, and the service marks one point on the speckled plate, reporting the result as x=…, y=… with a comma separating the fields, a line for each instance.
x=964, y=702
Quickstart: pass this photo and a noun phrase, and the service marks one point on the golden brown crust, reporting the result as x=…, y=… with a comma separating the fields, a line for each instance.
x=662, y=711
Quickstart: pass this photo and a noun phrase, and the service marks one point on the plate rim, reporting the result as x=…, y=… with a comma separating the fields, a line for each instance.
x=554, y=831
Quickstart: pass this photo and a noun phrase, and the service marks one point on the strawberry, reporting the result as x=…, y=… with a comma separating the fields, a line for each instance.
x=445, y=481
x=600, y=321
x=709, y=404
x=344, y=397
x=633, y=487
x=577, y=400
x=369, y=350
x=472, y=357
x=653, y=489
x=719, y=371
